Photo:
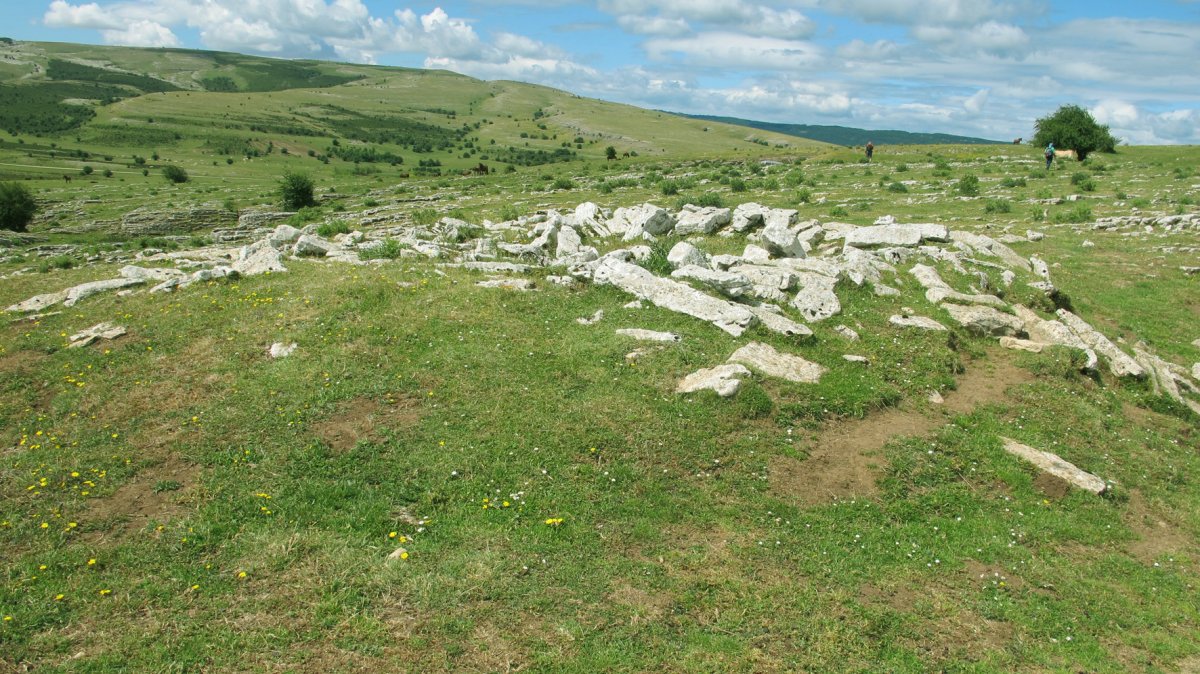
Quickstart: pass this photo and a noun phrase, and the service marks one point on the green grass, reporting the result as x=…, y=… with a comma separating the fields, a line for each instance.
x=416, y=399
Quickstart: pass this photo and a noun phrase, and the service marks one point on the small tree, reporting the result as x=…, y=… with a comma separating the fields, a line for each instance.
x=1073, y=128
x=610, y=153
x=296, y=190
x=16, y=207
x=175, y=174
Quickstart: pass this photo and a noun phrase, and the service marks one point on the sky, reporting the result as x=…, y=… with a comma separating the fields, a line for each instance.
x=986, y=68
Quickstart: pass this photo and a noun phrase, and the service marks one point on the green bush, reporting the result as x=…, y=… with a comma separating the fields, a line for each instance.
x=1073, y=128
x=16, y=207
x=710, y=199
x=563, y=184
x=333, y=228
x=296, y=191
x=838, y=212
x=897, y=187
x=87, y=170
x=737, y=185
x=998, y=206
x=390, y=249
x=1013, y=182
x=1077, y=215
x=669, y=188
x=967, y=186
x=175, y=174
x=804, y=195
x=425, y=216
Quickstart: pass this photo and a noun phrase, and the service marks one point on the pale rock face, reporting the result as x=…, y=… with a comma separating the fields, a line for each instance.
x=1021, y=344
x=1196, y=372
x=918, y=322
x=86, y=290
x=1034, y=236
x=846, y=332
x=851, y=358
x=1040, y=267
x=684, y=254
x=1119, y=362
x=1056, y=466
x=816, y=300
x=753, y=253
x=990, y=247
x=638, y=221
x=938, y=291
x=984, y=320
x=259, y=257
x=697, y=220
x=781, y=241
x=283, y=236
x=281, y=350
x=594, y=319
x=674, y=296
x=649, y=335
x=896, y=235
x=748, y=216
x=725, y=380
x=96, y=332
x=569, y=242
x=39, y=302
x=727, y=283
x=767, y=360
x=777, y=322
x=519, y=284
x=315, y=246
x=150, y=274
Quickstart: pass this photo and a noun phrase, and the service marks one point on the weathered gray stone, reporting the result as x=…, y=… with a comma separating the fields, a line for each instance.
x=148, y=221
x=39, y=302
x=523, y=285
x=748, y=216
x=766, y=359
x=1161, y=375
x=648, y=335
x=701, y=220
x=1021, y=344
x=1056, y=466
x=981, y=320
x=781, y=241
x=638, y=221
x=816, y=300
x=846, y=332
x=157, y=274
x=1040, y=267
x=315, y=246
x=684, y=254
x=988, y=246
x=778, y=323
x=260, y=257
x=724, y=282
x=569, y=242
x=250, y=219
x=938, y=291
x=919, y=322
x=851, y=358
x=495, y=267
x=86, y=290
x=896, y=235
x=674, y=295
x=96, y=332
x=594, y=319
x=1119, y=362
x=283, y=236
x=281, y=350
x=753, y=253
x=723, y=379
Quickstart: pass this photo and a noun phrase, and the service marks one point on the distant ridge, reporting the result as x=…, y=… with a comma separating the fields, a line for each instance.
x=845, y=135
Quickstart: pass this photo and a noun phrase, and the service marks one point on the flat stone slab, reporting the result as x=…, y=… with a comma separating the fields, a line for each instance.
x=768, y=361
x=919, y=322
x=1120, y=363
x=281, y=350
x=1056, y=466
x=779, y=323
x=648, y=335
x=521, y=284
x=1021, y=344
x=723, y=379
x=96, y=332
x=896, y=235
x=982, y=320
x=675, y=296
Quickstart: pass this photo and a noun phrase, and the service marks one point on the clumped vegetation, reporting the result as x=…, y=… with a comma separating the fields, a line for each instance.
x=17, y=207
x=1073, y=128
x=175, y=173
x=296, y=191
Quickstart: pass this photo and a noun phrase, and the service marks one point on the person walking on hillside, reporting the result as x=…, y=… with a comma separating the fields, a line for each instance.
x=1049, y=155
x=870, y=151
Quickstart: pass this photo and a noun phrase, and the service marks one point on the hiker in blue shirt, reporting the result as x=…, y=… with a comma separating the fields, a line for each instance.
x=1049, y=155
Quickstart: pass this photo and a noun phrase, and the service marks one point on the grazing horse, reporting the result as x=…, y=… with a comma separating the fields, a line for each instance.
x=66, y=178
x=481, y=170
x=1018, y=141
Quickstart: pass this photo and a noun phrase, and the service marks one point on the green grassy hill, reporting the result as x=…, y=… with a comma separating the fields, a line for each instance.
x=846, y=135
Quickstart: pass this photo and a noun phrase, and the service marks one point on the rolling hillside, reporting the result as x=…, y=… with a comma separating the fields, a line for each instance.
x=845, y=135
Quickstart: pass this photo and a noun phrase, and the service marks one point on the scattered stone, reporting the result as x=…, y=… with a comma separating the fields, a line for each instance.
x=260, y=257
x=673, y=295
x=781, y=241
x=919, y=322
x=147, y=221
x=935, y=398
x=684, y=254
x=816, y=300
x=753, y=253
x=846, y=332
x=33, y=318
x=748, y=216
x=649, y=335
x=697, y=220
x=882, y=290
x=1088, y=244
x=495, y=267
x=157, y=275
x=39, y=302
x=1196, y=371
x=86, y=290
x=281, y=350
x=724, y=282
x=938, y=291
x=777, y=322
x=767, y=360
x=596, y=318
x=521, y=284
x=1034, y=236
x=636, y=304
x=312, y=246
x=560, y=280
x=856, y=359
x=1021, y=344
x=722, y=379
x=984, y=320
x=1056, y=466
x=1119, y=362
x=638, y=221
x=397, y=555
x=96, y=332
x=896, y=235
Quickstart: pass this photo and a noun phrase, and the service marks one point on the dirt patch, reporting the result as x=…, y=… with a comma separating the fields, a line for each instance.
x=366, y=419
x=900, y=598
x=643, y=606
x=844, y=457
x=1157, y=535
x=1051, y=485
x=157, y=494
x=980, y=574
x=942, y=628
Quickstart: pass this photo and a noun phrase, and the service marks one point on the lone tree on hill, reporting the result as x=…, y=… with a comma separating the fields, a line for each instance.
x=1073, y=128
x=296, y=191
x=610, y=153
x=16, y=207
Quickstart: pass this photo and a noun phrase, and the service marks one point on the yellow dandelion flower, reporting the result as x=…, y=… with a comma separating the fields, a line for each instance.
x=241, y=574
x=392, y=534
x=92, y=562
x=42, y=567
x=8, y=618
x=196, y=587
x=403, y=555
x=59, y=597
x=554, y=521
x=45, y=525
x=105, y=592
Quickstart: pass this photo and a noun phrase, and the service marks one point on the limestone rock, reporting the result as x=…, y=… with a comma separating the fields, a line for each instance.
x=777, y=322
x=283, y=236
x=781, y=241
x=896, y=235
x=938, y=291
x=984, y=320
x=816, y=300
x=595, y=318
x=281, y=350
x=851, y=358
x=753, y=253
x=724, y=282
x=637, y=221
x=99, y=331
x=767, y=360
x=1119, y=362
x=673, y=295
x=919, y=322
x=1056, y=466
x=748, y=216
x=684, y=254
x=310, y=245
x=723, y=379
x=150, y=274
x=39, y=302
x=990, y=247
x=846, y=332
x=648, y=335
x=85, y=290
x=1021, y=344
x=697, y=220
x=935, y=398
x=259, y=257
x=148, y=221
x=521, y=284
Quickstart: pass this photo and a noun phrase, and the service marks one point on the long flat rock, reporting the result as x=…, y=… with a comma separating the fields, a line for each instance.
x=675, y=296
x=768, y=361
x=1056, y=466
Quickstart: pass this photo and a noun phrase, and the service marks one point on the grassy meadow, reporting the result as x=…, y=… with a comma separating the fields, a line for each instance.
x=451, y=478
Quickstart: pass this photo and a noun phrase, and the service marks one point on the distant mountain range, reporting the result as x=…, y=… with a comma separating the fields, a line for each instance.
x=845, y=135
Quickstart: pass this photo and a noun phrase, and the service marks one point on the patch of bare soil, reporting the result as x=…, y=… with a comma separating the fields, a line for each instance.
x=1156, y=535
x=366, y=419
x=23, y=366
x=156, y=494
x=943, y=629
x=645, y=607
x=844, y=457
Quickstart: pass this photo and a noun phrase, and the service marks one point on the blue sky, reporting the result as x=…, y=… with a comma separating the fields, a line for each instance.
x=976, y=67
